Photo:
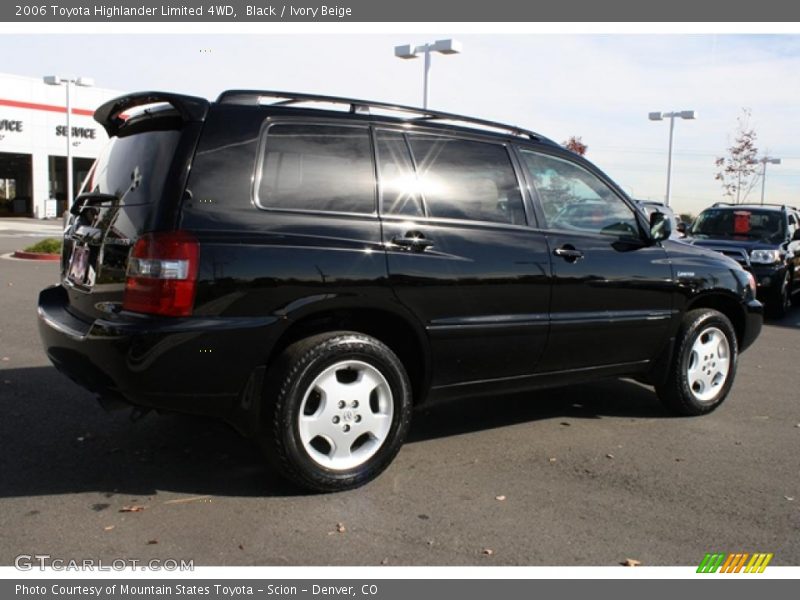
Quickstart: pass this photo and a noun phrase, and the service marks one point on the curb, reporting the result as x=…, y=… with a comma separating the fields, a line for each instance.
x=35, y=256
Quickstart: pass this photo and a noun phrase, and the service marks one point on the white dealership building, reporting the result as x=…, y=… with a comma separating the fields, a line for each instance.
x=33, y=143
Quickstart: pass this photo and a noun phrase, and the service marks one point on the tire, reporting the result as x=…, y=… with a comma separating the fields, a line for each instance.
x=337, y=408
x=703, y=366
x=781, y=301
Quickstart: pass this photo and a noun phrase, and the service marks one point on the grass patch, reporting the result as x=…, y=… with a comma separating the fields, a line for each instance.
x=48, y=246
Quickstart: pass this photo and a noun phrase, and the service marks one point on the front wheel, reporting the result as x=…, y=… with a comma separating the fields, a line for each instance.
x=781, y=300
x=337, y=410
x=703, y=366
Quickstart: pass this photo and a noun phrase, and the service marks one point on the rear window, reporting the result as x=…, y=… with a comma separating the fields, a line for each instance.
x=316, y=168
x=134, y=168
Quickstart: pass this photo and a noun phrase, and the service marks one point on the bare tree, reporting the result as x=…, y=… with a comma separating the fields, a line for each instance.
x=738, y=172
x=575, y=144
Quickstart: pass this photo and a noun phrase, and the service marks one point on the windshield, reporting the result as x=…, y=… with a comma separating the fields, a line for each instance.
x=760, y=225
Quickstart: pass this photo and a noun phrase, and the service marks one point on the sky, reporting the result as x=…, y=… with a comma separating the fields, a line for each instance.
x=598, y=87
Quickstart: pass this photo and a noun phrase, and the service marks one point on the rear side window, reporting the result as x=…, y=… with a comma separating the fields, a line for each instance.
x=464, y=179
x=317, y=168
x=134, y=168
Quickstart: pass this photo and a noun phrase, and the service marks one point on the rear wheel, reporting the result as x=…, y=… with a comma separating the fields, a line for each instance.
x=703, y=366
x=337, y=410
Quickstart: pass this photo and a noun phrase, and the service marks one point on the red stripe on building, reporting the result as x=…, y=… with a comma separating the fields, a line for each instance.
x=47, y=107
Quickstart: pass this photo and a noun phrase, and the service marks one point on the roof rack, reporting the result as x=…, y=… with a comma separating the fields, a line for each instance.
x=364, y=107
x=756, y=204
x=784, y=206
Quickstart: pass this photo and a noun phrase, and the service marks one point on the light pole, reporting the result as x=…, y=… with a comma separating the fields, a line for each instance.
x=441, y=46
x=68, y=81
x=764, y=161
x=660, y=116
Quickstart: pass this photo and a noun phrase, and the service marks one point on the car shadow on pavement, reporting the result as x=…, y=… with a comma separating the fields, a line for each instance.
x=608, y=398
x=790, y=321
x=56, y=439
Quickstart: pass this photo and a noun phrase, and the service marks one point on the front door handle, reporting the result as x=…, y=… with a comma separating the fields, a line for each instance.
x=413, y=240
x=568, y=253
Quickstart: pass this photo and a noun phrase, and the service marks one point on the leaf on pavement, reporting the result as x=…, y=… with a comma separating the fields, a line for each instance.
x=631, y=562
x=132, y=508
x=340, y=528
x=500, y=498
x=487, y=551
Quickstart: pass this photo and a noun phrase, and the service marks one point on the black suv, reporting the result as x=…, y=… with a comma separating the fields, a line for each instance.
x=764, y=239
x=309, y=268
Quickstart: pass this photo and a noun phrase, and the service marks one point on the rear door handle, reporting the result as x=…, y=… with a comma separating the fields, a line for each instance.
x=413, y=240
x=568, y=253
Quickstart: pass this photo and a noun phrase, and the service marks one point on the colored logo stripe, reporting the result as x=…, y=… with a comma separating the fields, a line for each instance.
x=734, y=562
x=711, y=563
x=758, y=563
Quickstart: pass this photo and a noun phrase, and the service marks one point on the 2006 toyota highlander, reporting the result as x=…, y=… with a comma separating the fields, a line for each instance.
x=309, y=268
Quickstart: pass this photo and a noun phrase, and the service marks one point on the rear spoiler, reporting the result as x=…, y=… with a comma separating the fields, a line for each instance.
x=109, y=115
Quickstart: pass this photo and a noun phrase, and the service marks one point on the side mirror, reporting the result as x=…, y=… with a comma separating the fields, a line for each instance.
x=796, y=235
x=660, y=226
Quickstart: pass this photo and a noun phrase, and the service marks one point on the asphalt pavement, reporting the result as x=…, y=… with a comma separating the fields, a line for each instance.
x=584, y=475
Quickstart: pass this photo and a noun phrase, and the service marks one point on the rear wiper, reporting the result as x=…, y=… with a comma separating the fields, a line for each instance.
x=89, y=199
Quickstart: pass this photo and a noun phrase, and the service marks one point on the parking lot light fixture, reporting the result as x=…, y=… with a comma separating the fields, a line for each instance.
x=68, y=82
x=407, y=52
x=688, y=115
x=771, y=160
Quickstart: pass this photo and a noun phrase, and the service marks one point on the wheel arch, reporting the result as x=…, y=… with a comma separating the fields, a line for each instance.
x=726, y=303
x=398, y=330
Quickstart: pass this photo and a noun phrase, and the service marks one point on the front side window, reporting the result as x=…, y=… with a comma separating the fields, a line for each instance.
x=468, y=180
x=792, y=225
x=574, y=199
x=317, y=167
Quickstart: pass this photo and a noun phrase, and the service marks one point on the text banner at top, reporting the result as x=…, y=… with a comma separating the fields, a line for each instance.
x=244, y=11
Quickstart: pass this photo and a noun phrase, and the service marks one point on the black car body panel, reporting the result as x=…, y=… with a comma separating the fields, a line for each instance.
x=482, y=307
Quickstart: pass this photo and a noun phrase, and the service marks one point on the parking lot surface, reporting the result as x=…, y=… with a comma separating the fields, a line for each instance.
x=584, y=475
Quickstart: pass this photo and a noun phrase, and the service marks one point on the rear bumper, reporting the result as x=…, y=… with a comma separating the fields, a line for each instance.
x=753, y=320
x=195, y=364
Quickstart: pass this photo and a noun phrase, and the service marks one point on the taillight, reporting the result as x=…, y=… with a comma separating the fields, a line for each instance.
x=162, y=274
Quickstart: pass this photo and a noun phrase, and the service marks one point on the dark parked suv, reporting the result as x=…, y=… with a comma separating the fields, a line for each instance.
x=764, y=239
x=310, y=268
